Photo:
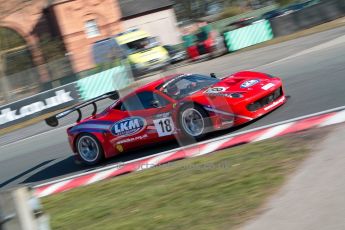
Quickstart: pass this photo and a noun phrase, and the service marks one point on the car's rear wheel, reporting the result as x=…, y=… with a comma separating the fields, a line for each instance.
x=194, y=122
x=89, y=149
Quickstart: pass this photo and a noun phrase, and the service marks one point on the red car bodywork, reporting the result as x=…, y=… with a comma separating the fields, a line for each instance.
x=234, y=100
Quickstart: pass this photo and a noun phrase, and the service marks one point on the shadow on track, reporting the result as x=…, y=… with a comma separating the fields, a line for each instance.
x=58, y=169
x=24, y=173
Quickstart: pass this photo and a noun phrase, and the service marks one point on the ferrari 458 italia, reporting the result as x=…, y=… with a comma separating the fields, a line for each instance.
x=185, y=106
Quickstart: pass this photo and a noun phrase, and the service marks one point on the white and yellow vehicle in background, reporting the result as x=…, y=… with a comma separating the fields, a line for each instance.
x=143, y=51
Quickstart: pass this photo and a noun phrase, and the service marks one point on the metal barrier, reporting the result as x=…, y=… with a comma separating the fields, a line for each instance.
x=341, y=4
x=331, y=10
x=284, y=25
x=221, y=25
x=16, y=85
x=308, y=17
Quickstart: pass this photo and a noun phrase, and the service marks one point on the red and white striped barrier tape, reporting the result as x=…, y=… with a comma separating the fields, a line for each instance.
x=312, y=121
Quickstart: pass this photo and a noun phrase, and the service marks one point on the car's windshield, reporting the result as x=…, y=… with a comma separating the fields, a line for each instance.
x=140, y=45
x=185, y=85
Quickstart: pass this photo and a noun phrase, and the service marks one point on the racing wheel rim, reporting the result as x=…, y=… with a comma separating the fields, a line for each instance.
x=88, y=148
x=193, y=122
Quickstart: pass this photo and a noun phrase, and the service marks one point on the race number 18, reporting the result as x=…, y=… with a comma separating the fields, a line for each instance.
x=165, y=126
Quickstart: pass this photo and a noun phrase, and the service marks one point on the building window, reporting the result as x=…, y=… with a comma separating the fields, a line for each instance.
x=91, y=28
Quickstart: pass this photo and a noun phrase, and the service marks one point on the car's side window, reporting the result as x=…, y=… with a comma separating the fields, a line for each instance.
x=152, y=100
x=143, y=100
x=119, y=106
x=131, y=103
x=162, y=101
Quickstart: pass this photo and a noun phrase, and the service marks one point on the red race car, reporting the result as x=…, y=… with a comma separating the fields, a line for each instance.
x=185, y=106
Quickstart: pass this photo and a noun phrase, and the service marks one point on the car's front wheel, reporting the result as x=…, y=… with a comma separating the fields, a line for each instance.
x=89, y=149
x=194, y=121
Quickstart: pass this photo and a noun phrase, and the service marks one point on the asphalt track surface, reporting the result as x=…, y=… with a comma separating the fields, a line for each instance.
x=312, y=68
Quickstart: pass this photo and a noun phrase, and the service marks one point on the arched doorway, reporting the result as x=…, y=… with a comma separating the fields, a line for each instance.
x=18, y=75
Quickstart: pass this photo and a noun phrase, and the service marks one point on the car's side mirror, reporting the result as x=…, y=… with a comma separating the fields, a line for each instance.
x=213, y=75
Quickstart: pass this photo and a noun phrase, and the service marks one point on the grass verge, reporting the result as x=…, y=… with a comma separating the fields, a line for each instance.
x=219, y=191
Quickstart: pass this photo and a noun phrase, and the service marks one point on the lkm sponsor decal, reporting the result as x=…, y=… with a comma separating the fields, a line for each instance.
x=128, y=126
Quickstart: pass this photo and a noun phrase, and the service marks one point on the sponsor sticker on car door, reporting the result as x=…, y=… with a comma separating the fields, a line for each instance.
x=128, y=126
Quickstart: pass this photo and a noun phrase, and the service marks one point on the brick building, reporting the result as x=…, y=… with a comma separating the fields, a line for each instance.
x=79, y=23
x=26, y=18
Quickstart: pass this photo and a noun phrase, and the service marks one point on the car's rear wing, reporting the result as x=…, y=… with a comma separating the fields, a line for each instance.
x=53, y=121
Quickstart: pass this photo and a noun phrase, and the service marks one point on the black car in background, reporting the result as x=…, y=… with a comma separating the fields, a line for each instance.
x=176, y=54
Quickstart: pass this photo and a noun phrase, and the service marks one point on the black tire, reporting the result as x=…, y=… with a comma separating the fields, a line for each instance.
x=187, y=133
x=95, y=156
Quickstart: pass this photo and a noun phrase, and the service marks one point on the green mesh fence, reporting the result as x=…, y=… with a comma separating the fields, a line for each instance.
x=103, y=82
x=255, y=33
